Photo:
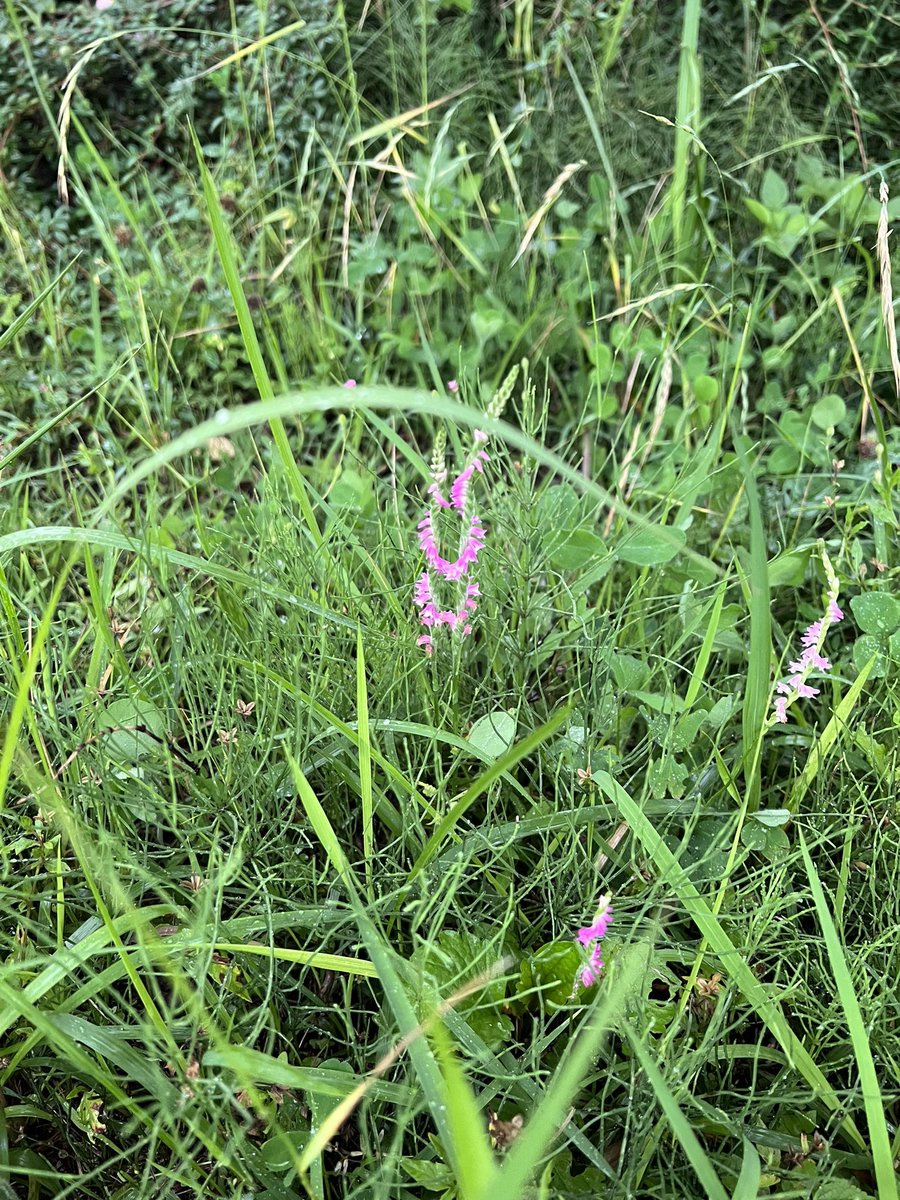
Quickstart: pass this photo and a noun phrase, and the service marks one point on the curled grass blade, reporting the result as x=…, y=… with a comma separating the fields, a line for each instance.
x=391, y=399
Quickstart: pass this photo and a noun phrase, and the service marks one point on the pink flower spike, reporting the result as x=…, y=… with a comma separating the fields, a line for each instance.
x=796, y=687
x=816, y=662
x=435, y=492
x=350, y=383
x=452, y=386
x=591, y=933
x=590, y=972
x=812, y=635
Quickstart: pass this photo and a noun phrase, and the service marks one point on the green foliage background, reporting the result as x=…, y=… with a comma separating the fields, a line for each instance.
x=251, y=835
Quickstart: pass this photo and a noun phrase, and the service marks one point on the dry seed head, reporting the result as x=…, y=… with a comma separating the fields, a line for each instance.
x=438, y=459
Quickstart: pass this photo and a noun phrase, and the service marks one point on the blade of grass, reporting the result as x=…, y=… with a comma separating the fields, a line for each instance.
x=687, y=113
x=503, y=764
x=678, y=1122
x=756, y=692
x=477, y=1172
x=424, y=1063
x=29, y=310
x=113, y=540
x=698, y=674
x=259, y=44
x=338, y=963
x=265, y=1068
x=622, y=983
x=225, y=248
x=22, y=702
x=747, y=1186
x=364, y=748
x=873, y=1099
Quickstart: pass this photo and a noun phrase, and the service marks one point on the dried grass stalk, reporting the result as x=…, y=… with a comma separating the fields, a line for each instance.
x=887, y=300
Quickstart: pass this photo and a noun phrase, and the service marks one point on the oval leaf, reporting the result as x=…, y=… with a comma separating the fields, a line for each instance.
x=651, y=547
x=493, y=733
x=876, y=612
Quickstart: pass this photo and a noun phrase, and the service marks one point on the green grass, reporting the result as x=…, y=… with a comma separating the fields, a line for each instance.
x=289, y=906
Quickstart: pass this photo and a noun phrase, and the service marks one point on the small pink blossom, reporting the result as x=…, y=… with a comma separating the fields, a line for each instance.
x=349, y=383
x=102, y=5
x=590, y=972
x=460, y=490
x=452, y=386
x=796, y=687
x=590, y=936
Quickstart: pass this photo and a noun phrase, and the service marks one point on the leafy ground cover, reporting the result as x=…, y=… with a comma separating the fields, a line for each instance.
x=447, y=466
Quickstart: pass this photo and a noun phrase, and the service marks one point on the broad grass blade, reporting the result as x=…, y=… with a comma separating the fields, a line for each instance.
x=690, y=1143
x=873, y=1100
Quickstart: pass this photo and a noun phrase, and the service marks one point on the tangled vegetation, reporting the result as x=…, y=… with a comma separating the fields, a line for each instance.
x=427, y=430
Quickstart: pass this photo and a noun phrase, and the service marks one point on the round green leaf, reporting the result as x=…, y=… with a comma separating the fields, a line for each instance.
x=601, y=356
x=784, y=460
x=651, y=547
x=281, y=1152
x=493, y=733
x=753, y=836
x=772, y=817
x=829, y=411
x=630, y=673
x=706, y=389
x=136, y=726
x=554, y=969
x=863, y=649
x=876, y=612
x=579, y=547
